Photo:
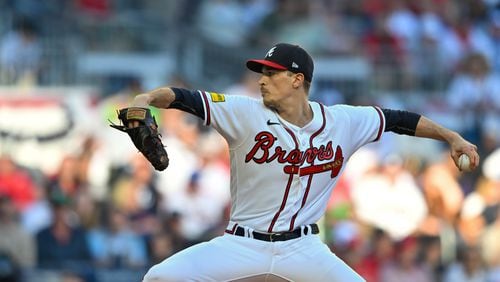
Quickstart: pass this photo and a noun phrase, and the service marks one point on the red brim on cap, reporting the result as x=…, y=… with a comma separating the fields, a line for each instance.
x=256, y=65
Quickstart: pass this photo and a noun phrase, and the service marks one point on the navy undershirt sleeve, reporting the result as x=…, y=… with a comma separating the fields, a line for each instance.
x=188, y=101
x=401, y=122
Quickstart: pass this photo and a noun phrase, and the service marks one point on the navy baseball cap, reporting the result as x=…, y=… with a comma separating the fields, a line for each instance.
x=284, y=56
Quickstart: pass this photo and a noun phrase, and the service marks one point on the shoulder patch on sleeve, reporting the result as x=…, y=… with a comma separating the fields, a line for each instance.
x=217, y=97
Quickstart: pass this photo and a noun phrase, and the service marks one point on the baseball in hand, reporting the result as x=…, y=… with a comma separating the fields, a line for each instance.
x=464, y=163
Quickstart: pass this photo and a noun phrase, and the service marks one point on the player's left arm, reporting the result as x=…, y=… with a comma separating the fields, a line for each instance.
x=408, y=123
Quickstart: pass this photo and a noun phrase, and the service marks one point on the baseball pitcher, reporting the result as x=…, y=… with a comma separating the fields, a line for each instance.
x=287, y=154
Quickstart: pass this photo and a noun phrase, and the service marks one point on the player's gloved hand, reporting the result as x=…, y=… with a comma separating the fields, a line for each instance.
x=142, y=128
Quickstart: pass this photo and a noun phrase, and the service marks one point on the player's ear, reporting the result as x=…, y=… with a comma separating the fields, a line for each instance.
x=298, y=80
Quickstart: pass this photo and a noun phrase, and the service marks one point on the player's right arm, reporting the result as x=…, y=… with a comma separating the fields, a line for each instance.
x=412, y=124
x=427, y=128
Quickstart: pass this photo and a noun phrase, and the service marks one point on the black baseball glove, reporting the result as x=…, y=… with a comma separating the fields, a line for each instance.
x=145, y=136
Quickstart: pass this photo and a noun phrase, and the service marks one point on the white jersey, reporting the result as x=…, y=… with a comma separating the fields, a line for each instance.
x=282, y=175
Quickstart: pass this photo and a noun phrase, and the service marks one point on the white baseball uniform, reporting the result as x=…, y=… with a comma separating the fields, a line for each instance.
x=281, y=179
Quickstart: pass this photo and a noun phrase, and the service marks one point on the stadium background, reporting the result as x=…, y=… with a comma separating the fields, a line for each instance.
x=78, y=203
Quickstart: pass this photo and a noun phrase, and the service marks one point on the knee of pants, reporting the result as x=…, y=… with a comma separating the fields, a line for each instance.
x=158, y=273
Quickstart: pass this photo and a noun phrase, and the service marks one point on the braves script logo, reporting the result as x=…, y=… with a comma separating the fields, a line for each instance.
x=262, y=153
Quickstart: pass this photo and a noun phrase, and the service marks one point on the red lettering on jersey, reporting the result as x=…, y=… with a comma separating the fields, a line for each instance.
x=264, y=141
x=261, y=153
x=334, y=166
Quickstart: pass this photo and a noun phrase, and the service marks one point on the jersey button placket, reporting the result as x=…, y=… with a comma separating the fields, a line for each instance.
x=303, y=141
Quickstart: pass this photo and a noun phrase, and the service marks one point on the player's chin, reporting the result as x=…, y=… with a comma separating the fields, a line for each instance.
x=268, y=103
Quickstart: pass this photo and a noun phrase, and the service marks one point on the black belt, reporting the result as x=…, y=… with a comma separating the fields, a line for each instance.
x=279, y=236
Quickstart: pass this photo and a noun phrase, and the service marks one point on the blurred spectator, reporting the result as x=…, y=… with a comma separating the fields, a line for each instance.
x=469, y=268
x=490, y=245
x=220, y=21
x=471, y=222
x=342, y=37
x=443, y=195
x=38, y=215
x=489, y=189
x=405, y=267
x=198, y=212
x=161, y=246
x=181, y=131
x=364, y=161
x=430, y=72
x=247, y=86
x=489, y=242
x=479, y=210
x=306, y=27
x=220, y=226
x=14, y=241
x=405, y=25
x=135, y=192
x=171, y=224
x=126, y=88
x=282, y=14
x=94, y=168
x=453, y=41
x=493, y=49
x=185, y=13
x=459, y=38
x=476, y=11
x=67, y=179
x=293, y=21
x=115, y=245
x=87, y=210
x=386, y=54
x=390, y=199
x=490, y=166
x=374, y=7
x=20, y=54
x=474, y=96
x=493, y=274
x=346, y=241
x=94, y=8
x=255, y=11
x=10, y=270
x=63, y=246
x=431, y=257
x=32, y=9
x=214, y=171
x=16, y=183
x=381, y=251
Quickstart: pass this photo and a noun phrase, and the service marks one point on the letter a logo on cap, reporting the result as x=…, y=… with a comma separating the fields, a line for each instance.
x=270, y=52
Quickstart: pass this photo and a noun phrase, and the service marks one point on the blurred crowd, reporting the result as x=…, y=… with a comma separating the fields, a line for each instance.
x=401, y=211
x=411, y=44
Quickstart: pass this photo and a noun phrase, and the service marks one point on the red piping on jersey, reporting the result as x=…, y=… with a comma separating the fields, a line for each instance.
x=283, y=204
x=382, y=125
x=309, y=181
x=287, y=189
x=232, y=230
x=207, y=106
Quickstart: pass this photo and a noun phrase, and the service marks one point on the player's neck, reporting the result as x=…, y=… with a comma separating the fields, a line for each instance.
x=298, y=113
